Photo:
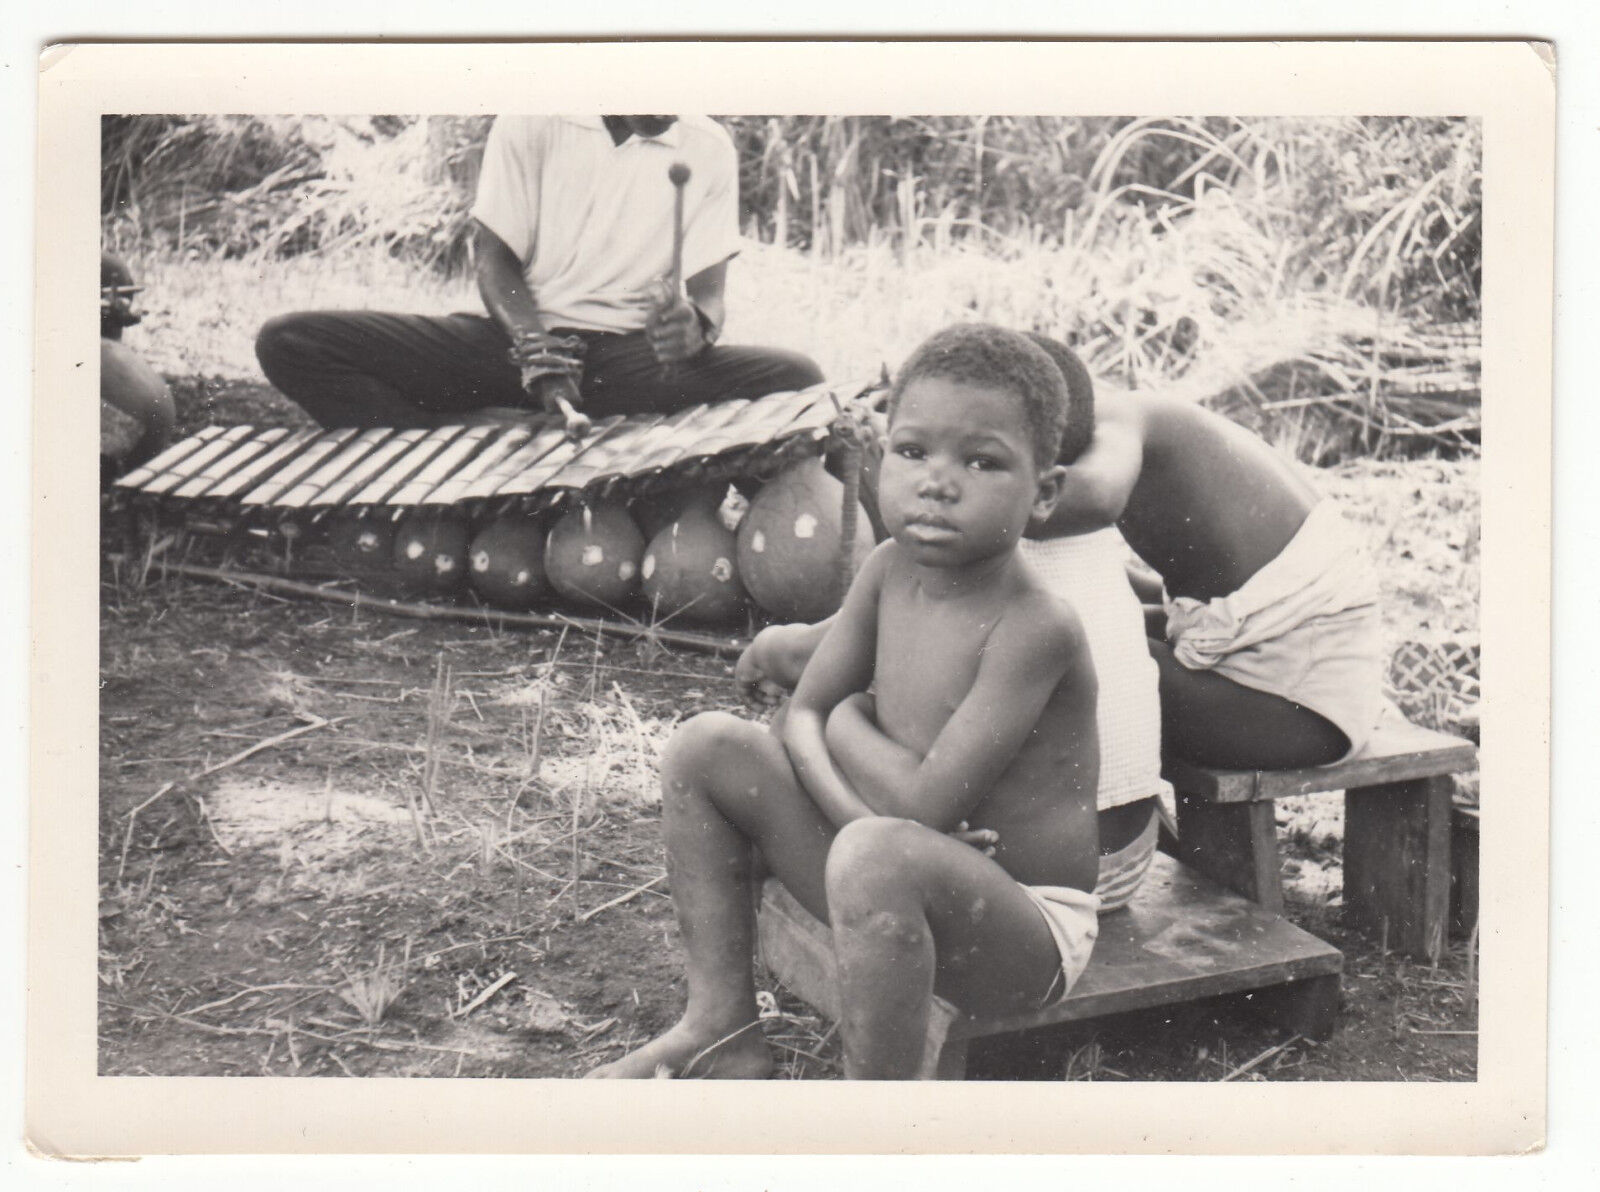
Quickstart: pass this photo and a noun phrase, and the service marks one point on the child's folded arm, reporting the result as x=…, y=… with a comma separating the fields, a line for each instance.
x=1031, y=654
x=840, y=667
x=1096, y=486
x=870, y=761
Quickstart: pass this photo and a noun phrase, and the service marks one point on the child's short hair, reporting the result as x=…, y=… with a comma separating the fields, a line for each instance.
x=983, y=354
x=1080, y=397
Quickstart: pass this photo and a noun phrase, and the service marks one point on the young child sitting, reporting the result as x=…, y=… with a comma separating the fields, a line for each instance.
x=951, y=689
x=1087, y=569
x=1271, y=654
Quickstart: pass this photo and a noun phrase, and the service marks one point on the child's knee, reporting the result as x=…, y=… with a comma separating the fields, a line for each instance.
x=868, y=860
x=699, y=745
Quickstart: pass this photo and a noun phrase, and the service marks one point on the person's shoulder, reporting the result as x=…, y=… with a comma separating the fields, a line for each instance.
x=1042, y=618
x=881, y=560
x=523, y=129
x=705, y=139
x=1124, y=409
x=705, y=130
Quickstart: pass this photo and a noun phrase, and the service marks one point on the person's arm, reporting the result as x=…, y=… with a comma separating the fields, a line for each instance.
x=771, y=665
x=710, y=240
x=1031, y=653
x=503, y=286
x=511, y=304
x=1096, y=487
x=841, y=666
x=870, y=761
x=1144, y=581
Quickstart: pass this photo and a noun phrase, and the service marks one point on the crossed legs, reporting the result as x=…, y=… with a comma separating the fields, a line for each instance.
x=913, y=912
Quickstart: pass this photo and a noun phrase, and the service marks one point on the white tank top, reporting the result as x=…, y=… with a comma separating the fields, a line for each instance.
x=1088, y=571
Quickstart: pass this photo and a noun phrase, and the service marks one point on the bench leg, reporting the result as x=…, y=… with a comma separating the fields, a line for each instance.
x=1235, y=845
x=1397, y=862
x=1463, y=872
x=1308, y=1007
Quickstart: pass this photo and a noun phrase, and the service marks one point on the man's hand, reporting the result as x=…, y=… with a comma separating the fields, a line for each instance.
x=674, y=331
x=551, y=367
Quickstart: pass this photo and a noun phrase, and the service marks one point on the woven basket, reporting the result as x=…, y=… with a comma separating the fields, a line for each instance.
x=1436, y=684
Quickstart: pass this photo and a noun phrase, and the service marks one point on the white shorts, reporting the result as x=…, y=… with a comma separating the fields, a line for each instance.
x=1305, y=628
x=1073, y=918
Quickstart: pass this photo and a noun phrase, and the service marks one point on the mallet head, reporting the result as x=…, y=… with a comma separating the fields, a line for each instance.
x=678, y=174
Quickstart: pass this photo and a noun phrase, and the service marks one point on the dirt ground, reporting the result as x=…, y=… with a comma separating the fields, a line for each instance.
x=344, y=843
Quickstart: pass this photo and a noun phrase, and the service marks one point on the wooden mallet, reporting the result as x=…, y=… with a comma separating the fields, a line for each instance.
x=574, y=424
x=678, y=175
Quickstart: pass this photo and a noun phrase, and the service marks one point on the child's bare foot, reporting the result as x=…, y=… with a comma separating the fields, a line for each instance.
x=688, y=1051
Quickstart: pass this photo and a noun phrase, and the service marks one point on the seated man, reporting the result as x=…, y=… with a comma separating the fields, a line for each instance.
x=952, y=688
x=572, y=241
x=1270, y=658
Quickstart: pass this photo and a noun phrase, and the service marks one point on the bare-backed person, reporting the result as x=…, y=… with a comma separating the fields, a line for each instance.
x=573, y=236
x=1269, y=647
x=951, y=690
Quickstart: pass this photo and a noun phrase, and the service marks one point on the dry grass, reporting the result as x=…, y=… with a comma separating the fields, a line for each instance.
x=203, y=313
x=1283, y=263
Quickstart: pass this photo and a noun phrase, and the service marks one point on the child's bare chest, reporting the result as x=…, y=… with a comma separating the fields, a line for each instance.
x=927, y=659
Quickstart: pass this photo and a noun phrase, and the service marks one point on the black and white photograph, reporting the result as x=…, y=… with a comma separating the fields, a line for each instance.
x=785, y=596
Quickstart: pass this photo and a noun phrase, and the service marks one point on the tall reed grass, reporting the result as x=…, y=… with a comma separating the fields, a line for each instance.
x=1279, y=267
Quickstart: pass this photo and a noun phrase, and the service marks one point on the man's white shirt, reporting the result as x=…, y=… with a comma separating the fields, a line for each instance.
x=591, y=221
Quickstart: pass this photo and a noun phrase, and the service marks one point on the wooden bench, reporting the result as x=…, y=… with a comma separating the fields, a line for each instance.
x=1396, y=830
x=1182, y=938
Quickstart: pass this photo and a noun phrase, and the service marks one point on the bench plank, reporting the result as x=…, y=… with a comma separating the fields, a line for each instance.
x=1398, y=752
x=1181, y=939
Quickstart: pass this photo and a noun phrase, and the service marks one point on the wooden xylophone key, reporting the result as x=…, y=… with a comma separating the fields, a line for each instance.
x=607, y=460
x=226, y=465
x=298, y=465
x=652, y=440
x=340, y=491
x=756, y=427
x=439, y=470
x=763, y=422
x=806, y=414
x=308, y=487
x=263, y=466
x=173, y=476
x=702, y=422
x=544, y=441
x=141, y=476
x=408, y=464
x=533, y=478
x=495, y=452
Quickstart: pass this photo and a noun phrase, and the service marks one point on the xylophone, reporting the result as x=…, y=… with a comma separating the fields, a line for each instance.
x=286, y=480
x=529, y=514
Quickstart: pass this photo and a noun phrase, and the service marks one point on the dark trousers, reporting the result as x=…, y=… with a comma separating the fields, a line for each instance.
x=367, y=369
